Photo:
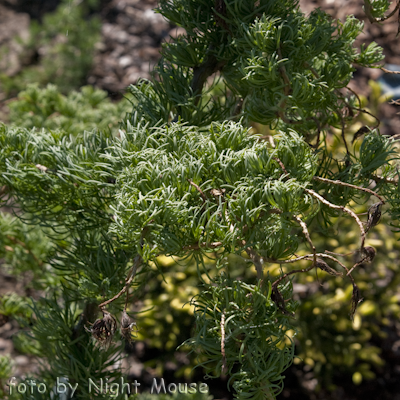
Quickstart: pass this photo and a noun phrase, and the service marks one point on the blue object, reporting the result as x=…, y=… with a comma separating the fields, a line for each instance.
x=390, y=83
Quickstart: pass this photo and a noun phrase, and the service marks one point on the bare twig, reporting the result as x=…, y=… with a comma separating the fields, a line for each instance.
x=323, y=255
x=385, y=179
x=257, y=261
x=307, y=235
x=224, y=366
x=306, y=257
x=368, y=254
x=372, y=115
x=295, y=271
x=128, y=281
x=322, y=265
x=394, y=137
x=339, y=254
x=313, y=71
x=197, y=187
x=281, y=165
x=282, y=70
x=344, y=136
x=355, y=266
x=368, y=12
x=358, y=98
x=344, y=209
x=340, y=183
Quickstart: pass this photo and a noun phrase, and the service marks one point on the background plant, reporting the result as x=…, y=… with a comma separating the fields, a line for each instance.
x=86, y=109
x=174, y=183
x=63, y=46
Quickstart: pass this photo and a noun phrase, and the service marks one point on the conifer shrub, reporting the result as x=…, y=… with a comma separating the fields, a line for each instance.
x=185, y=177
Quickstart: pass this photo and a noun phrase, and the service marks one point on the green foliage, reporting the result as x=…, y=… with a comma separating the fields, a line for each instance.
x=287, y=67
x=179, y=216
x=237, y=323
x=25, y=250
x=6, y=366
x=66, y=39
x=185, y=178
x=14, y=305
x=47, y=108
x=377, y=8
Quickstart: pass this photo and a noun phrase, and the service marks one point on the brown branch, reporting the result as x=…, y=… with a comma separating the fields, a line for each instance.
x=323, y=255
x=322, y=265
x=340, y=183
x=136, y=263
x=344, y=138
x=315, y=146
x=368, y=12
x=89, y=313
x=313, y=71
x=307, y=235
x=368, y=256
x=282, y=70
x=372, y=115
x=385, y=179
x=396, y=136
x=292, y=260
x=220, y=15
x=344, y=209
x=281, y=165
x=197, y=187
x=295, y=271
x=224, y=366
x=257, y=261
x=202, y=72
x=307, y=257
x=355, y=266
x=358, y=98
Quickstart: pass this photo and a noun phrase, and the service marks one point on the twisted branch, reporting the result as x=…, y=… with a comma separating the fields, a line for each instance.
x=344, y=209
x=340, y=183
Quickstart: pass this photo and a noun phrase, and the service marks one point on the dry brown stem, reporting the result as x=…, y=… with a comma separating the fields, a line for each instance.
x=344, y=209
x=197, y=187
x=306, y=234
x=128, y=281
x=340, y=183
x=224, y=366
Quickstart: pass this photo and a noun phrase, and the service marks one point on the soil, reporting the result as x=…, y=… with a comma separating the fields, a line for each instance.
x=130, y=45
